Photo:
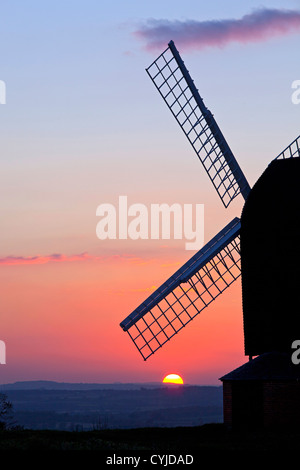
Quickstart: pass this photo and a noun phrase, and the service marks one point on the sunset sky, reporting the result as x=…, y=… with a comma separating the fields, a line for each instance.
x=82, y=125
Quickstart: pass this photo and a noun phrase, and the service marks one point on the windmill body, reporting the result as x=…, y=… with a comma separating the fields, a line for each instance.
x=262, y=245
x=270, y=259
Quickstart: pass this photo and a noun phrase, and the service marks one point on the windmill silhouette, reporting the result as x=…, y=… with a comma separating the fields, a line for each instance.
x=262, y=244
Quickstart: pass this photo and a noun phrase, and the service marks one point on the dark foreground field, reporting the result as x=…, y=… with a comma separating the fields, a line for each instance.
x=212, y=438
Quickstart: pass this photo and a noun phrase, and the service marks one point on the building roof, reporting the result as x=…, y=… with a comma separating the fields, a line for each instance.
x=269, y=366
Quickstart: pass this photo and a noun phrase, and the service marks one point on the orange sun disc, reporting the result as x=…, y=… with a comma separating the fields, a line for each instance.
x=173, y=379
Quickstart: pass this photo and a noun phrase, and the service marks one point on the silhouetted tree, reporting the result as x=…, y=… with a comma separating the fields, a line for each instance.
x=6, y=412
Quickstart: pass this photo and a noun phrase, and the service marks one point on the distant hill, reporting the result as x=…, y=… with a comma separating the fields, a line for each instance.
x=51, y=385
x=70, y=406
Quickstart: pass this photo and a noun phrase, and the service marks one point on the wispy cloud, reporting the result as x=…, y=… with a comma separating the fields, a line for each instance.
x=56, y=257
x=62, y=258
x=260, y=25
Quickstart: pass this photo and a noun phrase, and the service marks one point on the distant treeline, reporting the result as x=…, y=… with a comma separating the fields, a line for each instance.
x=108, y=408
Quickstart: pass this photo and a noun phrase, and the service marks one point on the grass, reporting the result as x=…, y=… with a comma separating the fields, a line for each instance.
x=207, y=438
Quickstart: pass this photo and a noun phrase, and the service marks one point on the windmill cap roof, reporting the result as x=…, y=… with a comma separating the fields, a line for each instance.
x=268, y=366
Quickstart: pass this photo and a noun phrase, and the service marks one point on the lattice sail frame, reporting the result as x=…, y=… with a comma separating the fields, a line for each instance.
x=185, y=294
x=291, y=151
x=217, y=265
x=175, y=85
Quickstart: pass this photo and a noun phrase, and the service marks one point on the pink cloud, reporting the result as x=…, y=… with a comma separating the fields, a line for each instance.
x=62, y=258
x=257, y=26
x=17, y=260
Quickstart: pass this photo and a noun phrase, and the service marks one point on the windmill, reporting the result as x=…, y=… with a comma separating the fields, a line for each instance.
x=260, y=244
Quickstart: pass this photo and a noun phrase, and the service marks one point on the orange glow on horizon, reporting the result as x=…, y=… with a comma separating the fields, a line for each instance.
x=64, y=324
x=173, y=379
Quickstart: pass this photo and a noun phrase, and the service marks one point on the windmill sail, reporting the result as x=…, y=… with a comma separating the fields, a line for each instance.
x=291, y=151
x=185, y=294
x=175, y=85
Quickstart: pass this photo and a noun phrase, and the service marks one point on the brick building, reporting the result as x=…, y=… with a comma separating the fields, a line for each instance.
x=263, y=393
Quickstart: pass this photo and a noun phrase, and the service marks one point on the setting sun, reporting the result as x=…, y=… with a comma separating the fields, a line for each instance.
x=173, y=379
